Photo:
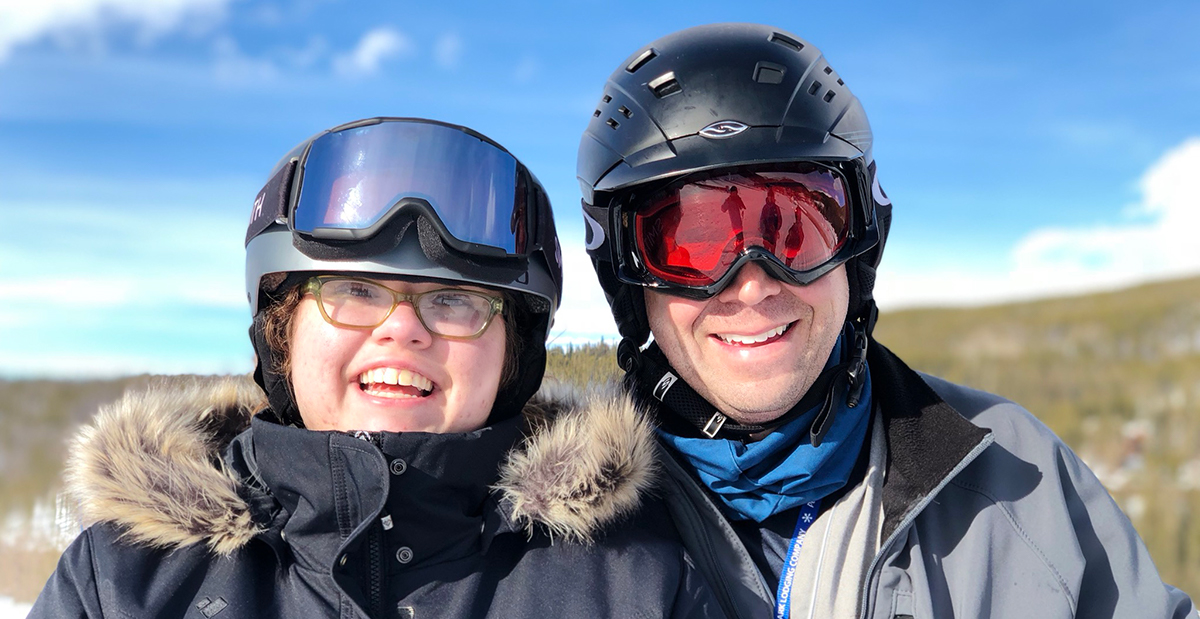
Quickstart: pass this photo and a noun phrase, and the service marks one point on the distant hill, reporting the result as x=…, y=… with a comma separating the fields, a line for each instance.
x=1117, y=375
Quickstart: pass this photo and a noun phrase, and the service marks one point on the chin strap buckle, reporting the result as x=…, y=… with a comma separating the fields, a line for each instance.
x=628, y=356
x=858, y=365
x=714, y=424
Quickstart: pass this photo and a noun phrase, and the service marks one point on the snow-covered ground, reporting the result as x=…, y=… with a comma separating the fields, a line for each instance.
x=48, y=524
x=13, y=610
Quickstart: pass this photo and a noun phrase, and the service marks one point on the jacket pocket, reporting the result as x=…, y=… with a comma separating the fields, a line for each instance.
x=902, y=605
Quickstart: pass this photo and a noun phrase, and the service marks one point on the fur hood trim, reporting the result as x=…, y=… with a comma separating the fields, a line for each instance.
x=150, y=463
x=583, y=468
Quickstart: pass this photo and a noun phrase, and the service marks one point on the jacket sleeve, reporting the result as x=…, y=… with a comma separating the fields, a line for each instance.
x=71, y=591
x=1039, y=516
x=1119, y=578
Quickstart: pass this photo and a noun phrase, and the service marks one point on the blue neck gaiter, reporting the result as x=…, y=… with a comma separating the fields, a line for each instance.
x=783, y=470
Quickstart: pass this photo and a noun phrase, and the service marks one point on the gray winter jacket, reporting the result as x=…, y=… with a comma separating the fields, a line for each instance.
x=986, y=514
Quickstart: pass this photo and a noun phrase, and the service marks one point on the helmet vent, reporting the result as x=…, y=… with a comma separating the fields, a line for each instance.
x=612, y=122
x=596, y=114
x=786, y=41
x=829, y=96
x=606, y=99
x=642, y=59
x=812, y=90
x=829, y=71
x=665, y=85
x=769, y=73
x=626, y=112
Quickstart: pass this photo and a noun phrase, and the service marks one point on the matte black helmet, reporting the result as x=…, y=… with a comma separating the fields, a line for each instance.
x=406, y=197
x=714, y=97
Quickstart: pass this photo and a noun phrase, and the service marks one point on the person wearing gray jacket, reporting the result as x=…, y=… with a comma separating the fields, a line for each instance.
x=813, y=473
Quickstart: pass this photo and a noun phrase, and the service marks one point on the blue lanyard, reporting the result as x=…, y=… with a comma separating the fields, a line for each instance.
x=783, y=597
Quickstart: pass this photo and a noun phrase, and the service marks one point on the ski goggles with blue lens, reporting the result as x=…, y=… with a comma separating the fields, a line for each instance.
x=352, y=180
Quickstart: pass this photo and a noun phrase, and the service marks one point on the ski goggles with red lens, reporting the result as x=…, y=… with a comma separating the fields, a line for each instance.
x=798, y=220
x=352, y=180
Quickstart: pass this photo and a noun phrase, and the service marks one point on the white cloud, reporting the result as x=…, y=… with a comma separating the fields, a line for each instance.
x=372, y=50
x=72, y=21
x=306, y=56
x=448, y=50
x=112, y=365
x=68, y=292
x=526, y=69
x=103, y=257
x=234, y=67
x=129, y=299
x=1057, y=261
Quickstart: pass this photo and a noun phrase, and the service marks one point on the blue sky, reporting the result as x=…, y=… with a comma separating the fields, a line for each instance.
x=1030, y=149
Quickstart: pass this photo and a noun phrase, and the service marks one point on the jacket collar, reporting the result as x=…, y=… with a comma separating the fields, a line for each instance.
x=432, y=490
x=150, y=464
x=928, y=440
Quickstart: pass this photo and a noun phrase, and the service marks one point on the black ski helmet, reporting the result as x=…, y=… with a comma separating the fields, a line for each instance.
x=413, y=236
x=712, y=97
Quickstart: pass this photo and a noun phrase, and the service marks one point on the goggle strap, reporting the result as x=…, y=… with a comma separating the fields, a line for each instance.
x=272, y=201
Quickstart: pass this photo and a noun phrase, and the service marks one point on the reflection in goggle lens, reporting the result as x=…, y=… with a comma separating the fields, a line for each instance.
x=692, y=232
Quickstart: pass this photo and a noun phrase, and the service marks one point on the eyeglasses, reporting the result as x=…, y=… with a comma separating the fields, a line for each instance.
x=354, y=303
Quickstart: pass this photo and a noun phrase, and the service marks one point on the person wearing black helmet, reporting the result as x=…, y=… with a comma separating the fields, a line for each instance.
x=816, y=473
x=403, y=275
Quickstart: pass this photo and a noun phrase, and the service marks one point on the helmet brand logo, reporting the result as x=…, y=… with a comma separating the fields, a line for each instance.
x=723, y=129
x=877, y=192
x=595, y=237
x=258, y=204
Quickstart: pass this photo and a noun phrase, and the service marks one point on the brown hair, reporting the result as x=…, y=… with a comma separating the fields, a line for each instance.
x=277, y=330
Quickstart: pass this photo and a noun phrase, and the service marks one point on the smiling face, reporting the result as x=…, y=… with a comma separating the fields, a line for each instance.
x=754, y=349
x=396, y=377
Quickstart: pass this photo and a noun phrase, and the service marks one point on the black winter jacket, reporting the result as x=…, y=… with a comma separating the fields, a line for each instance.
x=544, y=515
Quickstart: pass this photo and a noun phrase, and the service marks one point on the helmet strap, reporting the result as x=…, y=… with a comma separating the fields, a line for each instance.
x=684, y=412
x=278, y=387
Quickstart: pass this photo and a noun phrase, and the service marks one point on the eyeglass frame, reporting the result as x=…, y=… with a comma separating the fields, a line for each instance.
x=313, y=286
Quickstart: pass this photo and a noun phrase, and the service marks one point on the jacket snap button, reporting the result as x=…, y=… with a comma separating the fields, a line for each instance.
x=404, y=555
x=406, y=612
x=399, y=466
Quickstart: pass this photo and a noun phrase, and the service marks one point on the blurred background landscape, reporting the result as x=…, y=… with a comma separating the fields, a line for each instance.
x=1116, y=375
x=1043, y=161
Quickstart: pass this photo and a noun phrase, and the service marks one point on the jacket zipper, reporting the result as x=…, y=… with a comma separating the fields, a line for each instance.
x=698, y=522
x=375, y=569
x=375, y=548
x=873, y=572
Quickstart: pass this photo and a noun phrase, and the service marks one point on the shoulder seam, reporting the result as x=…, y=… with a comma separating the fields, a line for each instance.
x=1012, y=520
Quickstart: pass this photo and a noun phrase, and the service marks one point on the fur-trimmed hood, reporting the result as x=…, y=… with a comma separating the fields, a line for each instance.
x=151, y=464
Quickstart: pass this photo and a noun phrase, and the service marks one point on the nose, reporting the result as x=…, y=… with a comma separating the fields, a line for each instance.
x=404, y=327
x=751, y=286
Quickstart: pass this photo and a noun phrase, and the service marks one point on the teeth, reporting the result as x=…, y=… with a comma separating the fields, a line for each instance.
x=395, y=376
x=753, y=339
